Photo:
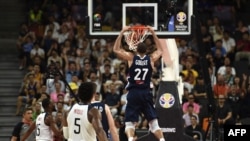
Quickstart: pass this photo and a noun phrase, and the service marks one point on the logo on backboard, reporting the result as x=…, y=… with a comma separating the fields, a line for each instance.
x=97, y=17
x=167, y=100
x=181, y=17
x=97, y=24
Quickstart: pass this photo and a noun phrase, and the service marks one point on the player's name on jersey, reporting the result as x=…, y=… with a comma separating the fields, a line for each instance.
x=236, y=132
x=141, y=62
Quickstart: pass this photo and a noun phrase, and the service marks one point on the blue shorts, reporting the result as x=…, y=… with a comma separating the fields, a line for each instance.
x=139, y=101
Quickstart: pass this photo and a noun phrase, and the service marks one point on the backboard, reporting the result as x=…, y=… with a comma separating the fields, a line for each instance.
x=170, y=18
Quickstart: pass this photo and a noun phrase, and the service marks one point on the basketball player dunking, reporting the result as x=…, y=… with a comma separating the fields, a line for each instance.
x=140, y=99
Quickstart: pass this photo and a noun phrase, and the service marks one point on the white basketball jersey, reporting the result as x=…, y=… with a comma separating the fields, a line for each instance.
x=80, y=129
x=43, y=132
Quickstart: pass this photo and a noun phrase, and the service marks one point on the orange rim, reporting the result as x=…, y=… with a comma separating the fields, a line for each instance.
x=136, y=27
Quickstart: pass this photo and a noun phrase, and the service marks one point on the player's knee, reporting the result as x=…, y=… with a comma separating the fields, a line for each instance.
x=129, y=125
x=153, y=125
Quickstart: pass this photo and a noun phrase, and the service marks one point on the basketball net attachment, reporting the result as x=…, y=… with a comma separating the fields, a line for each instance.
x=135, y=35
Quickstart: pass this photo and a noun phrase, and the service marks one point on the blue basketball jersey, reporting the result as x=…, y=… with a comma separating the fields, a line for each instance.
x=140, y=72
x=101, y=107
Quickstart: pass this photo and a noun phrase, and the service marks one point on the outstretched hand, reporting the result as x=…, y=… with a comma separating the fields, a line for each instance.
x=125, y=28
x=150, y=29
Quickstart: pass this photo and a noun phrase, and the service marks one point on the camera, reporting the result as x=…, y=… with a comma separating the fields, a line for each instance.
x=51, y=72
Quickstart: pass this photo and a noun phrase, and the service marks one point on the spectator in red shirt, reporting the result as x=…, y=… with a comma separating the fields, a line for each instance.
x=243, y=48
x=220, y=88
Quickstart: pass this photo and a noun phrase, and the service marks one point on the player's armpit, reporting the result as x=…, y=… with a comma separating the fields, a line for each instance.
x=156, y=55
x=125, y=55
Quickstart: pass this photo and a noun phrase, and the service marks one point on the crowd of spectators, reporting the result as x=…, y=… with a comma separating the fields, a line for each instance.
x=53, y=49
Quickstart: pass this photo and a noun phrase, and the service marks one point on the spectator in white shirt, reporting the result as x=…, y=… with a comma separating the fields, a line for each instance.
x=228, y=42
x=37, y=51
x=187, y=116
x=63, y=34
x=222, y=69
x=52, y=25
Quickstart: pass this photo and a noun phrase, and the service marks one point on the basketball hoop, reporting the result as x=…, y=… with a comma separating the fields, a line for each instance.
x=135, y=35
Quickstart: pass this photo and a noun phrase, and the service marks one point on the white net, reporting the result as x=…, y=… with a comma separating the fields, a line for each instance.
x=135, y=36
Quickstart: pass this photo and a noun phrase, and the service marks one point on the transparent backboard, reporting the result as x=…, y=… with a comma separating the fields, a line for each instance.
x=170, y=18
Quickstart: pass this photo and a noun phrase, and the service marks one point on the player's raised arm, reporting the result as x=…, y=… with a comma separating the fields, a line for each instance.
x=117, y=46
x=95, y=119
x=156, y=54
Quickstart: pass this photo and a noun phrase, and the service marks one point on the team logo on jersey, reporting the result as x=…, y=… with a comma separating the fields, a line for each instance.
x=167, y=100
x=99, y=108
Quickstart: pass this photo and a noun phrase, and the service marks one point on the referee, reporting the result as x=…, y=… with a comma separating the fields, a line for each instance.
x=22, y=127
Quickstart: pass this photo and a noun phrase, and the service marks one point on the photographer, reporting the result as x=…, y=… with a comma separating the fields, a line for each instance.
x=52, y=78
